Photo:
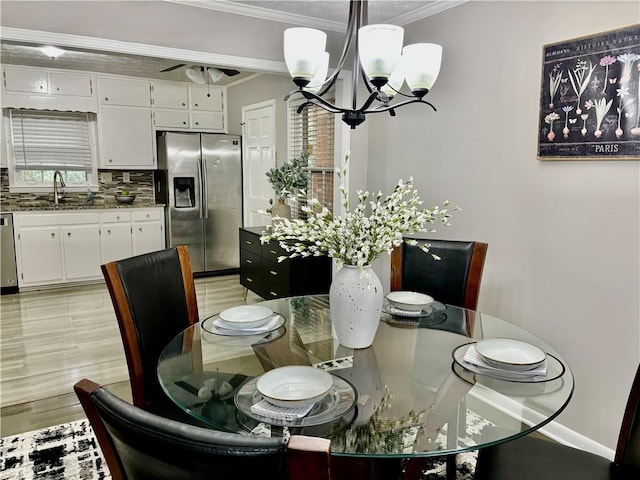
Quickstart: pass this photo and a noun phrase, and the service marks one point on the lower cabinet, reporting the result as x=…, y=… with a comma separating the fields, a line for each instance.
x=261, y=272
x=68, y=247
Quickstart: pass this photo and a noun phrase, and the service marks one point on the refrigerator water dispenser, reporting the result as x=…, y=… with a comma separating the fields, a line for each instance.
x=184, y=191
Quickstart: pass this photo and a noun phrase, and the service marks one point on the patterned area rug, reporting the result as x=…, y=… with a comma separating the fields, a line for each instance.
x=71, y=452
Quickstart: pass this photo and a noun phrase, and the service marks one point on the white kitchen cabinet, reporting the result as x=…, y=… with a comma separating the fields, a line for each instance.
x=173, y=96
x=25, y=80
x=148, y=231
x=48, y=89
x=81, y=248
x=115, y=235
x=171, y=119
x=206, y=120
x=69, y=247
x=80, y=84
x=124, y=91
x=126, y=138
x=203, y=97
x=39, y=256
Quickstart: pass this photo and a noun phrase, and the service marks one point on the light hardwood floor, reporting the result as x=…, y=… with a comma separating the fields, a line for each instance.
x=50, y=339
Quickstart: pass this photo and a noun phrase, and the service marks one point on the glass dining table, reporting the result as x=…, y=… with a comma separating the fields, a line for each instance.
x=408, y=395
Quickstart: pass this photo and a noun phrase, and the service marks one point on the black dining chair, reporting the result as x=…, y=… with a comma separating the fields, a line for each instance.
x=154, y=299
x=140, y=445
x=454, y=279
x=530, y=457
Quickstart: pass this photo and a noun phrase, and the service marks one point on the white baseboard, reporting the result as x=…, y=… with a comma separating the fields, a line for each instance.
x=566, y=436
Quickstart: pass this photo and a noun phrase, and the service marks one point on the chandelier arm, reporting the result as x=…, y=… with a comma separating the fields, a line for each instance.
x=314, y=99
x=331, y=80
x=373, y=96
x=388, y=108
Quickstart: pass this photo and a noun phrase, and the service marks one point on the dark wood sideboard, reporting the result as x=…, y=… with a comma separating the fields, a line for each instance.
x=261, y=273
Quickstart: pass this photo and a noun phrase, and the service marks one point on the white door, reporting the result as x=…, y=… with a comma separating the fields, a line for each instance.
x=259, y=140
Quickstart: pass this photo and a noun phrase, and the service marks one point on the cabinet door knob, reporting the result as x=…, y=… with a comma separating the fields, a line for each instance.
x=273, y=294
x=275, y=274
x=58, y=89
x=41, y=87
x=110, y=160
x=197, y=123
x=248, y=242
x=68, y=234
x=184, y=104
x=106, y=99
x=195, y=104
x=140, y=229
x=250, y=280
x=248, y=261
x=273, y=252
x=109, y=232
x=53, y=235
x=184, y=123
x=118, y=217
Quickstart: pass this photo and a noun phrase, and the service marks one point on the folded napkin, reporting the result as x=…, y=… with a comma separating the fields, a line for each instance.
x=266, y=409
x=474, y=360
x=265, y=327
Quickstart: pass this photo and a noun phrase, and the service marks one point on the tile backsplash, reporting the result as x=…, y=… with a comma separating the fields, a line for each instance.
x=140, y=184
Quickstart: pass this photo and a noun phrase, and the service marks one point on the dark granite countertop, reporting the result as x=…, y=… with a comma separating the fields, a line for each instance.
x=39, y=206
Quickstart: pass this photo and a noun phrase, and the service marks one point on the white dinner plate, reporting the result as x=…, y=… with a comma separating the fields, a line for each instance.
x=246, y=316
x=410, y=301
x=508, y=353
x=294, y=385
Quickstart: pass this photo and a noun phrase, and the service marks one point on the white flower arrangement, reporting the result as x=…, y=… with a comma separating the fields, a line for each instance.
x=375, y=225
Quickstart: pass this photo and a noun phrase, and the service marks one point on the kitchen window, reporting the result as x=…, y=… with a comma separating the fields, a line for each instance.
x=313, y=131
x=43, y=141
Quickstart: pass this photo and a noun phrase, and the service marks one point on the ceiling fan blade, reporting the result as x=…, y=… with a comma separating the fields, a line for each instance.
x=170, y=69
x=229, y=71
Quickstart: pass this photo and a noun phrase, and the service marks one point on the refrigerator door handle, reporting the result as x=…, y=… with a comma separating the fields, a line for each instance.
x=202, y=187
x=205, y=191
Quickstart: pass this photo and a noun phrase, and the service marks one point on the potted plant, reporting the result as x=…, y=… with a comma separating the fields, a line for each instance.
x=288, y=180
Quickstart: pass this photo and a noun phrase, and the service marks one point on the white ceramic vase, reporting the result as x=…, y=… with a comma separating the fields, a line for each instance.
x=356, y=305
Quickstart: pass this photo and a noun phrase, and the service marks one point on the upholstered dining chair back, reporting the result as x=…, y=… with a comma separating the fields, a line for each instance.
x=140, y=445
x=454, y=279
x=154, y=299
x=530, y=458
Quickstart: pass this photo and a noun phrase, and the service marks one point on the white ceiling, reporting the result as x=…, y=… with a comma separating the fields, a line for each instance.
x=324, y=14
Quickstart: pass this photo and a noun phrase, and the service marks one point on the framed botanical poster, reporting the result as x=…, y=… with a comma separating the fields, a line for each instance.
x=590, y=97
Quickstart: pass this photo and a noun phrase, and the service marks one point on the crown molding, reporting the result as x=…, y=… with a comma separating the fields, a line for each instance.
x=428, y=10
x=142, y=49
x=265, y=14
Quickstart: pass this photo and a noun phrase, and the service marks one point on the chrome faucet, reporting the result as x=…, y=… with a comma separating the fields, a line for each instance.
x=57, y=174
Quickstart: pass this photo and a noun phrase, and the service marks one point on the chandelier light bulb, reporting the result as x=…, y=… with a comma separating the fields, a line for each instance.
x=321, y=74
x=303, y=49
x=380, y=48
x=421, y=64
x=395, y=82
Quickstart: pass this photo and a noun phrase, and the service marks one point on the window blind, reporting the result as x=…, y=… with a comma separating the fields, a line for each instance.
x=49, y=140
x=313, y=131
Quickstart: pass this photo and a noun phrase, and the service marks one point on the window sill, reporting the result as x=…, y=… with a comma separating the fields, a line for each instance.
x=49, y=189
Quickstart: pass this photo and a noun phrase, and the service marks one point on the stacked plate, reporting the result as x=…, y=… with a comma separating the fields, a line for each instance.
x=243, y=320
x=409, y=304
x=504, y=358
x=510, y=354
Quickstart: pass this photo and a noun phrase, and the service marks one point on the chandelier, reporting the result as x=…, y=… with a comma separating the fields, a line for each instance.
x=379, y=59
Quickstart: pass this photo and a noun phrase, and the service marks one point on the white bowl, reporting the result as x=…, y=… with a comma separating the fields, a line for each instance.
x=294, y=386
x=412, y=301
x=246, y=316
x=510, y=354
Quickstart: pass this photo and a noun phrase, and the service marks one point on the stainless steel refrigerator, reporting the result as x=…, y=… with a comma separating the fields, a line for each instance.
x=199, y=179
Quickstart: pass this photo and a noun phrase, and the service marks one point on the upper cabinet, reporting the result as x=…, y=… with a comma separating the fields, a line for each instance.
x=124, y=91
x=188, y=107
x=27, y=87
x=126, y=130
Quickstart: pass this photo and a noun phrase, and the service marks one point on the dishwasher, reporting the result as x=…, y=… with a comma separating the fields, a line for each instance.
x=8, y=273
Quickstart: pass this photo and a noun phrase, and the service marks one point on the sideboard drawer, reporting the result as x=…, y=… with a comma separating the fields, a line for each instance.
x=250, y=241
x=271, y=290
x=276, y=272
x=272, y=251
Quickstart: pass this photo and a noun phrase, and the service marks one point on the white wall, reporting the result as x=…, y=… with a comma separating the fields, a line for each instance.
x=564, y=237
x=260, y=89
